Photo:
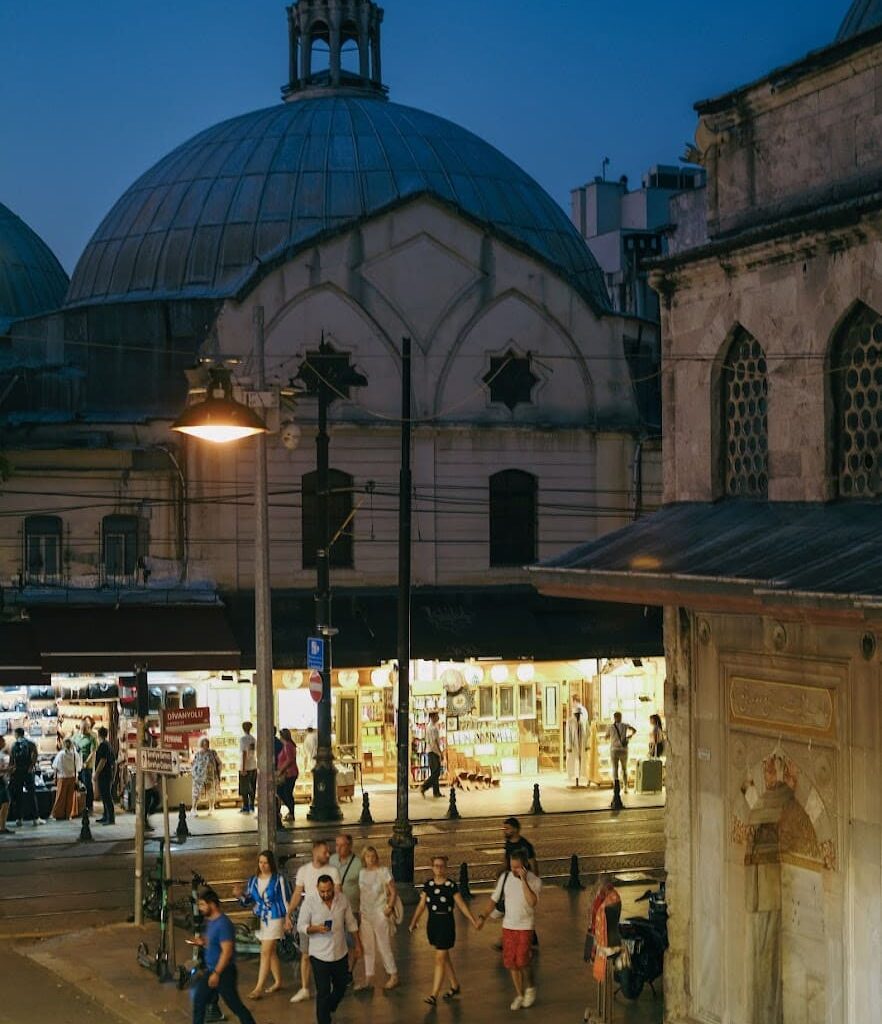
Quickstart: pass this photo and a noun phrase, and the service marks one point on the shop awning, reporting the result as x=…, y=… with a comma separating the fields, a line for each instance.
x=20, y=663
x=106, y=639
x=453, y=623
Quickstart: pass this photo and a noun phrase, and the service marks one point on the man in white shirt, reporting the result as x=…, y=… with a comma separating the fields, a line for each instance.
x=306, y=885
x=519, y=888
x=310, y=748
x=327, y=918
x=247, y=768
x=433, y=749
x=348, y=865
x=618, y=734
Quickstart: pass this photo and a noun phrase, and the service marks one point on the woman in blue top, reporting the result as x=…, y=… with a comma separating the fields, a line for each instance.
x=268, y=893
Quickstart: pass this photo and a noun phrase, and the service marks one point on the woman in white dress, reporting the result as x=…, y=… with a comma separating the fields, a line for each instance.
x=378, y=895
x=205, y=771
x=267, y=893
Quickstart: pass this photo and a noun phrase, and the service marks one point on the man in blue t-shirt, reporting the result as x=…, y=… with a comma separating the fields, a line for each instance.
x=219, y=939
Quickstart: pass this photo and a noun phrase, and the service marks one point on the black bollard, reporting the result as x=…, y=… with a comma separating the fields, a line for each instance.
x=85, y=835
x=574, y=882
x=453, y=810
x=366, y=816
x=464, y=887
x=537, y=807
x=617, y=804
x=182, y=832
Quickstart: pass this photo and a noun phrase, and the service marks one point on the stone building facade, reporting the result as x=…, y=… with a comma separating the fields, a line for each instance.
x=766, y=553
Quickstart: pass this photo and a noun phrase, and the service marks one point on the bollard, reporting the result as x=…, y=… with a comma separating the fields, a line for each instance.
x=617, y=804
x=574, y=882
x=537, y=807
x=366, y=816
x=213, y=1013
x=181, y=832
x=453, y=810
x=85, y=835
x=464, y=887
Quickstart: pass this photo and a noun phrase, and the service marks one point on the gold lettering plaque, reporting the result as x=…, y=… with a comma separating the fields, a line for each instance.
x=787, y=707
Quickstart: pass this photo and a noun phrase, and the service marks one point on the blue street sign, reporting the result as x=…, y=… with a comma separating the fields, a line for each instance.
x=315, y=652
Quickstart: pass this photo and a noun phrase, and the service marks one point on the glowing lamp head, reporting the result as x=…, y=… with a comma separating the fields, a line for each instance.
x=219, y=420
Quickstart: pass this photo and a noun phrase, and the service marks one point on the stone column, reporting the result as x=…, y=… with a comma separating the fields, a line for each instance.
x=334, y=44
x=306, y=54
x=293, y=44
x=364, y=29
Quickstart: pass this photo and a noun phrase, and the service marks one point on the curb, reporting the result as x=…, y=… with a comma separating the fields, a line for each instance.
x=99, y=991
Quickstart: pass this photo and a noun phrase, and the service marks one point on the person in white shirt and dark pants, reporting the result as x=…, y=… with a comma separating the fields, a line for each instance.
x=326, y=918
x=433, y=749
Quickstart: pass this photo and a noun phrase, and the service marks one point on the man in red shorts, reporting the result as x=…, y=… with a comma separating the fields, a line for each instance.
x=516, y=896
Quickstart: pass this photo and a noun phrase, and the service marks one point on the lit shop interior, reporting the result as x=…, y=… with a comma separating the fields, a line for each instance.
x=508, y=717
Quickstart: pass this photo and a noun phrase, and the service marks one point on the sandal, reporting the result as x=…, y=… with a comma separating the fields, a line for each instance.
x=452, y=993
x=256, y=994
x=431, y=1000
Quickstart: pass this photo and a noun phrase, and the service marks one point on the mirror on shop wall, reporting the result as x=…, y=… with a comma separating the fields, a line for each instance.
x=526, y=700
x=506, y=702
x=550, y=708
x=485, y=702
x=346, y=724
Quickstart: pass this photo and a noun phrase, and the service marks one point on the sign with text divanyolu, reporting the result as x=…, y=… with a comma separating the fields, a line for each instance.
x=186, y=720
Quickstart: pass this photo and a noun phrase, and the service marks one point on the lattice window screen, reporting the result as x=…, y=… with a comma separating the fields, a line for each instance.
x=856, y=370
x=745, y=384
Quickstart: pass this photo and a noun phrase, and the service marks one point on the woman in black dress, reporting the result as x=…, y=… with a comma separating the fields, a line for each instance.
x=439, y=896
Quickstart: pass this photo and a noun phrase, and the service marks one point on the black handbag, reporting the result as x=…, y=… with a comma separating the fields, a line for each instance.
x=500, y=906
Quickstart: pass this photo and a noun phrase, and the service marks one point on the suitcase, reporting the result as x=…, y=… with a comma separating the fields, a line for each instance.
x=649, y=775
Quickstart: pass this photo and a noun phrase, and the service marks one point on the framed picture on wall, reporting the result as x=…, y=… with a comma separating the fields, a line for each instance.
x=452, y=723
x=551, y=708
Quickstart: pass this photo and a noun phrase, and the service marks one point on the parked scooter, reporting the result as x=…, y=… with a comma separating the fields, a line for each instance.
x=645, y=940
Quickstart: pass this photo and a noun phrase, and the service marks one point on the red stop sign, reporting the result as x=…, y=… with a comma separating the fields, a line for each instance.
x=315, y=686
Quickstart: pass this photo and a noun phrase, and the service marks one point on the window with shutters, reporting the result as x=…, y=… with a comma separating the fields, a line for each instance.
x=341, y=519
x=745, y=386
x=513, y=518
x=42, y=556
x=119, y=548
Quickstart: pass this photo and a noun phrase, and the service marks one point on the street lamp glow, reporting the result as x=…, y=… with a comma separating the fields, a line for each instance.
x=219, y=420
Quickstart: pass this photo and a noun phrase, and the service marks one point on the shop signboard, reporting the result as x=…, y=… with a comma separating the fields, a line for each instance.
x=315, y=652
x=315, y=686
x=159, y=760
x=179, y=720
x=176, y=741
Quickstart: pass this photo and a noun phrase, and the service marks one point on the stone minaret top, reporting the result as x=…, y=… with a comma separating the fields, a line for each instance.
x=334, y=23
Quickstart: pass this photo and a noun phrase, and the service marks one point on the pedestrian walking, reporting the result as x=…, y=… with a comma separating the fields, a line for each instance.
x=247, y=768
x=4, y=788
x=349, y=867
x=515, y=843
x=515, y=897
x=378, y=898
x=310, y=746
x=619, y=735
x=22, y=769
x=305, y=885
x=67, y=766
x=219, y=939
x=205, y=772
x=286, y=773
x=434, y=750
x=105, y=769
x=439, y=896
x=267, y=893
x=657, y=736
x=326, y=919
x=86, y=741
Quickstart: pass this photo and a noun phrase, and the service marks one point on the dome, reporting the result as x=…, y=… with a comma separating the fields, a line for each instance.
x=31, y=278
x=862, y=16
x=218, y=212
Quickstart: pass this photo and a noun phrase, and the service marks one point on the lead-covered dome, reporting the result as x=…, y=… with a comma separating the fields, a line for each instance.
x=862, y=16
x=214, y=215
x=31, y=278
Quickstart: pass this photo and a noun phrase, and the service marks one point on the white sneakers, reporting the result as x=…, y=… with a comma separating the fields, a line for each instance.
x=517, y=1003
x=529, y=997
x=301, y=995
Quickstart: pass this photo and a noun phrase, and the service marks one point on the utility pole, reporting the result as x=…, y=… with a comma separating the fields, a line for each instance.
x=142, y=701
x=263, y=633
x=403, y=840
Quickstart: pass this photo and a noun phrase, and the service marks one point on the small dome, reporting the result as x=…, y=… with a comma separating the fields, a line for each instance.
x=215, y=214
x=862, y=16
x=31, y=278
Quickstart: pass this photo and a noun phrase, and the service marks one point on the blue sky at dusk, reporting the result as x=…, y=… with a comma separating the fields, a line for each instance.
x=92, y=94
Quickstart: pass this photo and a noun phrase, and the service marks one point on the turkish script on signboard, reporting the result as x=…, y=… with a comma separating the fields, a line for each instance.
x=186, y=720
x=159, y=761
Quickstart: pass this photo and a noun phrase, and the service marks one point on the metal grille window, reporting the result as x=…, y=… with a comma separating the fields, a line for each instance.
x=42, y=549
x=513, y=526
x=745, y=384
x=119, y=539
x=857, y=388
x=339, y=515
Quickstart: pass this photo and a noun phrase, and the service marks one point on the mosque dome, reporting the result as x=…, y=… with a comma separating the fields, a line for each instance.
x=862, y=16
x=238, y=199
x=31, y=278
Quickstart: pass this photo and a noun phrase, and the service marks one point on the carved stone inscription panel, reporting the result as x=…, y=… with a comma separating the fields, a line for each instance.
x=786, y=707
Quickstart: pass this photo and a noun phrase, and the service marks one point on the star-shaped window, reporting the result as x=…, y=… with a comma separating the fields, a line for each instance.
x=511, y=380
x=327, y=366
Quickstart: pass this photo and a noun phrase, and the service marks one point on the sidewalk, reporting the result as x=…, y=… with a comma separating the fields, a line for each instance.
x=514, y=796
x=102, y=964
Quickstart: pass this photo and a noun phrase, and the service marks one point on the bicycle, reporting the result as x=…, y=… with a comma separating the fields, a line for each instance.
x=157, y=906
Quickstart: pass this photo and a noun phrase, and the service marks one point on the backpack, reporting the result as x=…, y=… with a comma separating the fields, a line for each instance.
x=23, y=756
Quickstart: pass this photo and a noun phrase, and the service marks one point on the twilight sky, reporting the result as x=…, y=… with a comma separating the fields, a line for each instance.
x=92, y=94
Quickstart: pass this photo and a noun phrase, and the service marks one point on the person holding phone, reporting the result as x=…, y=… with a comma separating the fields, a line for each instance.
x=219, y=940
x=516, y=896
x=327, y=918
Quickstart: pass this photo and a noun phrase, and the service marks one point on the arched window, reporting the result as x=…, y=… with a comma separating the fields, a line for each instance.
x=512, y=518
x=745, y=394
x=42, y=536
x=856, y=380
x=320, y=50
x=120, y=543
x=340, y=518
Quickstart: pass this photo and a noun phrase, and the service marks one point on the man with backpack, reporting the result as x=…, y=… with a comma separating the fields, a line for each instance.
x=22, y=775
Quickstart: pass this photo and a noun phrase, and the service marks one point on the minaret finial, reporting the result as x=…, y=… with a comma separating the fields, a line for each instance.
x=333, y=23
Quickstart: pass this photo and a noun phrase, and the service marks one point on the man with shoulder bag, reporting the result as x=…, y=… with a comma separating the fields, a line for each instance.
x=22, y=769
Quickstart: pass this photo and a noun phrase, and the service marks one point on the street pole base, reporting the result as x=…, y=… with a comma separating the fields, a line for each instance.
x=403, y=843
x=324, y=794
